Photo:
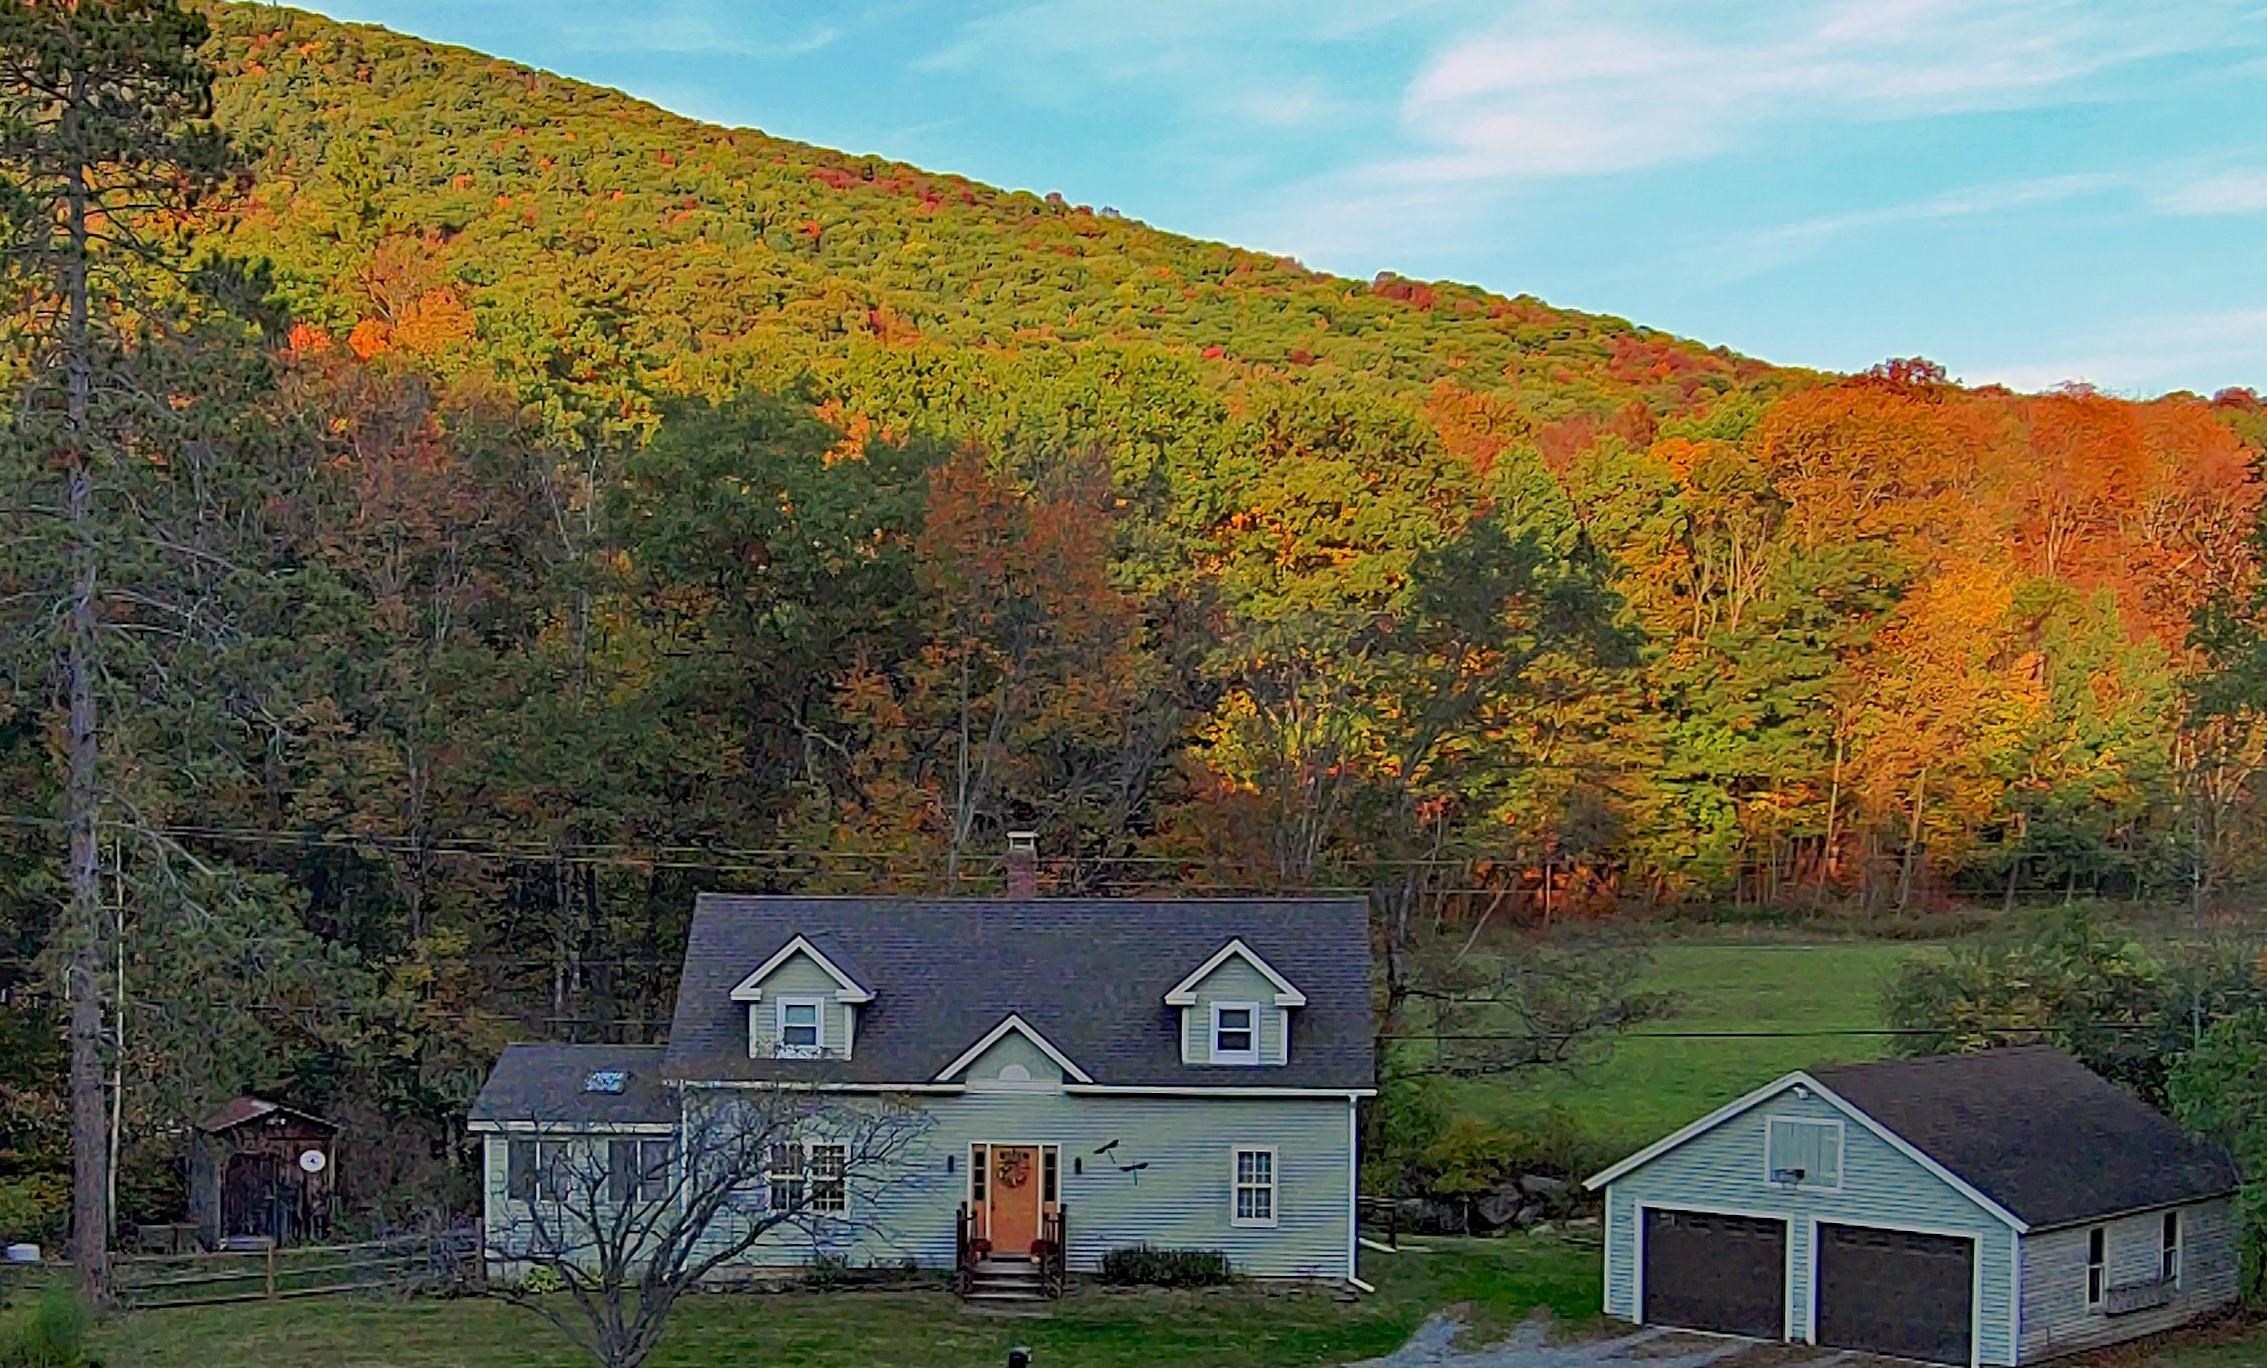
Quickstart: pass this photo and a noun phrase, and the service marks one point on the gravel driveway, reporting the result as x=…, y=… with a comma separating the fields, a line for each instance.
x=1529, y=1346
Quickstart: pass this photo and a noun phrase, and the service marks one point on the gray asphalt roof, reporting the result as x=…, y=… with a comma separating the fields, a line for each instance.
x=544, y=1084
x=1089, y=974
x=2037, y=1132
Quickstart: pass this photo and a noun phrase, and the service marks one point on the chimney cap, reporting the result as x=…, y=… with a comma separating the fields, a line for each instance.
x=1023, y=842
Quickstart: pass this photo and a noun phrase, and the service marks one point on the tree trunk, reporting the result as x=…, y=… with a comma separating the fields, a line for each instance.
x=90, y=1130
x=1912, y=842
x=1833, y=805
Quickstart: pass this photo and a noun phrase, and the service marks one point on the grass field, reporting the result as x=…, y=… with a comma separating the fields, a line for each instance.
x=1649, y=1086
x=1501, y=1281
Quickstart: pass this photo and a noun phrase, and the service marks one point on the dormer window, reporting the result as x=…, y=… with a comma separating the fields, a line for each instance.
x=1235, y=1033
x=1235, y=1010
x=802, y=1028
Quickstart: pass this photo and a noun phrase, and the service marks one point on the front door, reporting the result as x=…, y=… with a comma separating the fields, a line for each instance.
x=1013, y=1221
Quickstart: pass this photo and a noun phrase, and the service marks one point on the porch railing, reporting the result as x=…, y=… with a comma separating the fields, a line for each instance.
x=968, y=1248
x=1382, y=1211
x=1054, y=1249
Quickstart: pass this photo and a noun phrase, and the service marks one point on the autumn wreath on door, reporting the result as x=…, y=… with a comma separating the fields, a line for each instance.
x=1012, y=1168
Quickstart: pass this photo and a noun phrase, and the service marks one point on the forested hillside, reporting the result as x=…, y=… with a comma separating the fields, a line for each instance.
x=645, y=506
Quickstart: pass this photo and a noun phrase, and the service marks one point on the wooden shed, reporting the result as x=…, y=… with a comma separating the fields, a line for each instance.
x=259, y=1169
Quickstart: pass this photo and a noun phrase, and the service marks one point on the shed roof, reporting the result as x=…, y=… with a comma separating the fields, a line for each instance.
x=545, y=1085
x=1090, y=975
x=238, y=1110
x=2036, y=1131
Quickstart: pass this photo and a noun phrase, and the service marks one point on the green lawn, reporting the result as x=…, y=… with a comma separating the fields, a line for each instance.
x=1651, y=1086
x=1500, y=1280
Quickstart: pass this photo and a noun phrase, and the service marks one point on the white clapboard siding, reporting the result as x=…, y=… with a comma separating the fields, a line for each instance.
x=2056, y=1319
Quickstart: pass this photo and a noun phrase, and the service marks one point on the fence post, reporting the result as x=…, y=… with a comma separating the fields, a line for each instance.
x=271, y=1271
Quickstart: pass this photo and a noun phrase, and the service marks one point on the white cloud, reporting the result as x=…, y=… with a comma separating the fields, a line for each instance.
x=2230, y=192
x=1965, y=202
x=2149, y=355
x=1558, y=88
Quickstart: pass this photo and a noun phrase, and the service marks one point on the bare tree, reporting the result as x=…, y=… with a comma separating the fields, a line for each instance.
x=609, y=1230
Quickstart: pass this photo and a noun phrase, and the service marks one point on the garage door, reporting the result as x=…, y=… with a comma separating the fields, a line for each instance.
x=1891, y=1292
x=1723, y=1273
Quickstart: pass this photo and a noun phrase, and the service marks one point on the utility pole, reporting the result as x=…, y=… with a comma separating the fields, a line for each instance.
x=118, y=1032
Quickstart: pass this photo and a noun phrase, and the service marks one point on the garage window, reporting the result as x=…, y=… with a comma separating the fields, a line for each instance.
x=2168, y=1260
x=1802, y=1153
x=2097, y=1266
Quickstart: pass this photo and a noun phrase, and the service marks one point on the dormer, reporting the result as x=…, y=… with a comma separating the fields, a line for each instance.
x=1235, y=1010
x=802, y=1003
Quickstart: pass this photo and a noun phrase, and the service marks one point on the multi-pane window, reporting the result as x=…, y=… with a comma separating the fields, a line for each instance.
x=2097, y=1265
x=550, y=1177
x=1254, y=1201
x=654, y=1160
x=809, y=1176
x=2168, y=1257
x=519, y=1171
x=1050, y=1165
x=800, y=1027
x=979, y=1159
x=830, y=1169
x=1235, y=1033
x=784, y=1168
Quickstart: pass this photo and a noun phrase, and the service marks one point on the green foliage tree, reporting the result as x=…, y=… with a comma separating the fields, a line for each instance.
x=2219, y=1090
x=2073, y=979
x=104, y=138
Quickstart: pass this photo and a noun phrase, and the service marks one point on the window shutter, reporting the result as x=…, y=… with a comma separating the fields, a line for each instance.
x=519, y=1171
x=621, y=1170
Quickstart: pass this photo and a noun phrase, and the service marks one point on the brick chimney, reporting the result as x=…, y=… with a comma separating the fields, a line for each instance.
x=1023, y=864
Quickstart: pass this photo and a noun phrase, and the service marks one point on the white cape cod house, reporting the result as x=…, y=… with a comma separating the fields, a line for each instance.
x=1176, y=1073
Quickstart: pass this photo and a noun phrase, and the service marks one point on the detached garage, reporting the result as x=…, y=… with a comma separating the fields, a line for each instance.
x=1994, y=1208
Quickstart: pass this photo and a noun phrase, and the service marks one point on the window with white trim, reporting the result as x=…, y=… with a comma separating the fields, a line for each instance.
x=830, y=1177
x=1235, y=1033
x=784, y=1170
x=808, y=1176
x=2097, y=1266
x=656, y=1161
x=1803, y=1152
x=1253, y=1203
x=801, y=1023
x=2168, y=1257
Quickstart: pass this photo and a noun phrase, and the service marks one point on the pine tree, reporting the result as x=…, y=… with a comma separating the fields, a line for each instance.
x=104, y=144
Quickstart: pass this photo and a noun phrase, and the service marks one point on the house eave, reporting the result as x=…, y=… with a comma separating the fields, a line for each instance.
x=847, y=989
x=533, y=1127
x=1831, y=1098
x=1013, y=1021
x=1183, y=994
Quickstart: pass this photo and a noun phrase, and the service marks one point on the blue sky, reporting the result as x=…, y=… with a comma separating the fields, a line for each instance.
x=2029, y=191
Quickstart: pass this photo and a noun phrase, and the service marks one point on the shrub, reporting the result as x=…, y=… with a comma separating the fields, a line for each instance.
x=1146, y=1265
x=541, y=1281
x=831, y=1271
x=52, y=1333
x=34, y=1206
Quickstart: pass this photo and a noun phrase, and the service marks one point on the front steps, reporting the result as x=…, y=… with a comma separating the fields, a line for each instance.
x=1006, y=1283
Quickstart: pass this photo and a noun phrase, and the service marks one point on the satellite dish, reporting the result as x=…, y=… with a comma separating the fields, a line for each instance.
x=312, y=1160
